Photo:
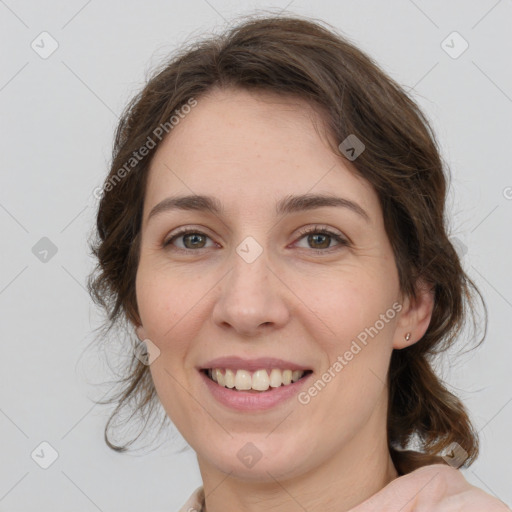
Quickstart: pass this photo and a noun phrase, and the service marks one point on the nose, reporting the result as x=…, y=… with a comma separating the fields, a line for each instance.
x=252, y=299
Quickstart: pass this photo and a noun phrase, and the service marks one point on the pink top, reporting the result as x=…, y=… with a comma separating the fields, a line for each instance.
x=195, y=503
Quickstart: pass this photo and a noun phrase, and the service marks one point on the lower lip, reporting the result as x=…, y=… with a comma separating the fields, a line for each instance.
x=247, y=401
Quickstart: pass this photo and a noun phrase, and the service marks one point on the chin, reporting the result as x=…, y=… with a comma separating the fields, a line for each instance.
x=254, y=458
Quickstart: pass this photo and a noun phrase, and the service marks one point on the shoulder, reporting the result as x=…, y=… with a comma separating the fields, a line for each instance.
x=441, y=484
x=195, y=502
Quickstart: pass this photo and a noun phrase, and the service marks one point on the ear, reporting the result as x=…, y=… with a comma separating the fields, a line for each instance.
x=415, y=316
x=141, y=333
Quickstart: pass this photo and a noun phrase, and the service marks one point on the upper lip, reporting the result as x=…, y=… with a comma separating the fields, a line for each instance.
x=239, y=363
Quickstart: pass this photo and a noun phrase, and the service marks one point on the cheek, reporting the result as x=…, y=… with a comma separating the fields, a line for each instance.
x=360, y=313
x=356, y=312
x=166, y=303
x=165, y=300
x=348, y=303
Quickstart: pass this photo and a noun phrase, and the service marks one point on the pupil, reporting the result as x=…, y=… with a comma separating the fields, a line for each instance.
x=194, y=237
x=325, y=238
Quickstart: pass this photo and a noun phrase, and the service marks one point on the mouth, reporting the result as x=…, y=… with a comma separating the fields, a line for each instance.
x=259, y=381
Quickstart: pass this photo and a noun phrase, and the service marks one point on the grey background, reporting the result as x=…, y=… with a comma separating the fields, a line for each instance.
x=57, y=117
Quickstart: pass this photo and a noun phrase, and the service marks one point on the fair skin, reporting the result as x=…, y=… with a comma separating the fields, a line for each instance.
x=303, y=299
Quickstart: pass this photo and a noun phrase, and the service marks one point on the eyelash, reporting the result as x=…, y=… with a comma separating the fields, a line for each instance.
x=307, y=231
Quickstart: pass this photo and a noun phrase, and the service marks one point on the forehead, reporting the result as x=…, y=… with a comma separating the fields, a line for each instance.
x=249, y=149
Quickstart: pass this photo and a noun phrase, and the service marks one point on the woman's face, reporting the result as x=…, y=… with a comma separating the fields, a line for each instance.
x=252, y=284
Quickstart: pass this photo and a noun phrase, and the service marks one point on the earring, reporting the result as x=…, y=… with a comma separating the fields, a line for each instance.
x=407, y=336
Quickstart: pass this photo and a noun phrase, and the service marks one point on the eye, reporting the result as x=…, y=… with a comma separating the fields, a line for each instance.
x=321, y=238
x=192, y=240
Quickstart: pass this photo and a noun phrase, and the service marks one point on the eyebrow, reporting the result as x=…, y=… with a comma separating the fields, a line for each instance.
x=287, y=205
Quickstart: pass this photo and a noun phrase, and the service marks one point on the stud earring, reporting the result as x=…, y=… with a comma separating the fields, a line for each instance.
x=407, y=336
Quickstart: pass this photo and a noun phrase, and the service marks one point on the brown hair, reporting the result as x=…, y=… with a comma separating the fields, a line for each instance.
x=291, y=55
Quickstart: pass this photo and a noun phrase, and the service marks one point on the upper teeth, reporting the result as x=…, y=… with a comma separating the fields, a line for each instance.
x=258, y=380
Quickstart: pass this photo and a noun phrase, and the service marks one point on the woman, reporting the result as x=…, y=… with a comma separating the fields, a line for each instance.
x=273, y=229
